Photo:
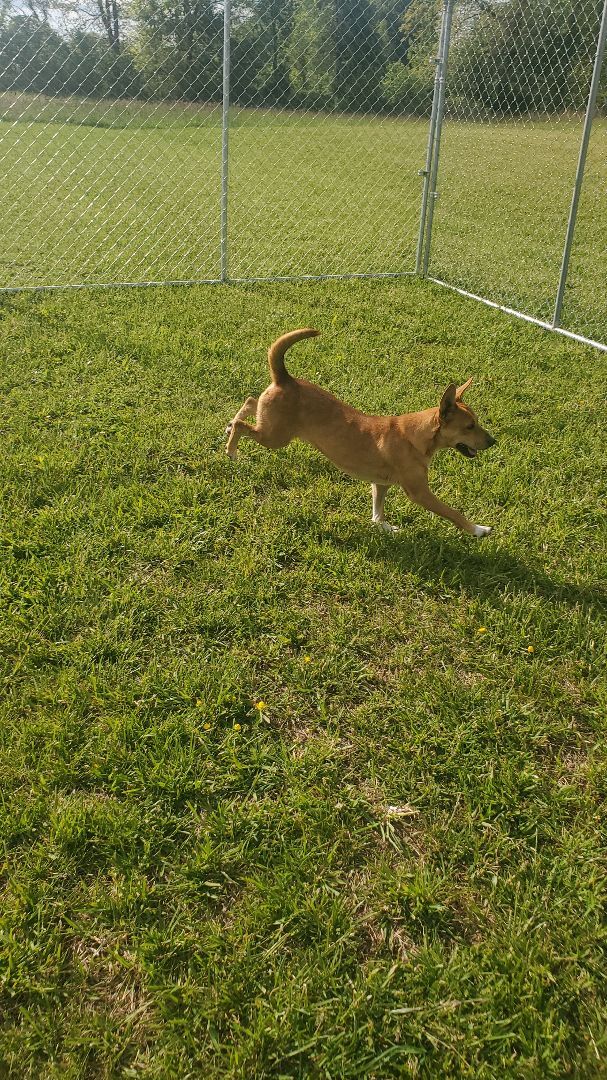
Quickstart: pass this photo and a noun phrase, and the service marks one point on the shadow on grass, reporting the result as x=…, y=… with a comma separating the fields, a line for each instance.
x=442, y=563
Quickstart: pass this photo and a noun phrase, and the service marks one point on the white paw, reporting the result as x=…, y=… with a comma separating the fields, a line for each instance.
x=385, y=527
x=228, y=430
x=482, y=530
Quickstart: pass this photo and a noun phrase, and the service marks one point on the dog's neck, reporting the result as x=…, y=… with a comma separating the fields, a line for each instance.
x=423, y=432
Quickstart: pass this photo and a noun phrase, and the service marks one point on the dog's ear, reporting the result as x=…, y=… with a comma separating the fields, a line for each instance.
x=461, y=390
x=447, y=404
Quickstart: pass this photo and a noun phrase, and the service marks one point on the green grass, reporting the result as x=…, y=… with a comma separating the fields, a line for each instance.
x=129, y=191
x=192, y=888
x=125, y=193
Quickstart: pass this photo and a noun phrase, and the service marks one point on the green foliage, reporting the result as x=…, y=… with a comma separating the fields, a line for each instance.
x=358, y=61
x=406, y=91
x=311, y=52
x=34, y=57
x=526, y=56
x=507, y=56
x=179, y=49
x=273, y=20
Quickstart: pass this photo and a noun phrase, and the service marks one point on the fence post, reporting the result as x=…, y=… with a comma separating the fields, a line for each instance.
x=440, y=111
x=579, y=176
x=425, y=172
x=225, y=131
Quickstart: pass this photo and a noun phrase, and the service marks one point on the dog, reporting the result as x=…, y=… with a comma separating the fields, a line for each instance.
x=383, y=450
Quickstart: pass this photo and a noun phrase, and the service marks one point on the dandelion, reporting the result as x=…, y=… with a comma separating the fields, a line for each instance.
x=307, y=659
x=482, y=630
x=199, y=704
x=207, y=727
x=236, y=727
x=261, y=705
x=530, y=649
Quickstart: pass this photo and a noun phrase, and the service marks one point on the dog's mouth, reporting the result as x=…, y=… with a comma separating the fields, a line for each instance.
x=467, y=451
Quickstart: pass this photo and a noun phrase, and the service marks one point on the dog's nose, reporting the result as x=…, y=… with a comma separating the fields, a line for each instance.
x=490, y=441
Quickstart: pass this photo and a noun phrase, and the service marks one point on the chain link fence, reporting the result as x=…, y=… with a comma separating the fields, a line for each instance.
x=326, y=183
x=517, y=87
x=191, y=140
x=110, y=152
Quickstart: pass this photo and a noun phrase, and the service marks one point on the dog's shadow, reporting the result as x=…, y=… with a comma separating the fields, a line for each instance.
x=442, y=564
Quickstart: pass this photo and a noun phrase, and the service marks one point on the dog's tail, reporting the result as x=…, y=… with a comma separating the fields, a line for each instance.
x=277, y=351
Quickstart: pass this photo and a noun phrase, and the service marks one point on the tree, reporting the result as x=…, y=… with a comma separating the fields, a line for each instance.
x=104, y=17
x=337, y=53
x=178, y=48
x=358, y=57
x=33, y=56
x=390, y=22
x=408, y=83
x=311, y=53
x=525, y=56
x=109, y=13
x=273, y=23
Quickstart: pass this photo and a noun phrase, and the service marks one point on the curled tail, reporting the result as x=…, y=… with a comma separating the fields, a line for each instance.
x=278, y=349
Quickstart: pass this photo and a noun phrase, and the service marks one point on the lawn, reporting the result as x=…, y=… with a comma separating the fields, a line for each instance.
x=128, y=191
x=395, y=865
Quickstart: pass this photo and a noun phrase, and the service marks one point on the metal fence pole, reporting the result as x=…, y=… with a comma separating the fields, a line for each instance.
x=225, y=132
x=425, y=172
x=579, y=176
x=440, y=111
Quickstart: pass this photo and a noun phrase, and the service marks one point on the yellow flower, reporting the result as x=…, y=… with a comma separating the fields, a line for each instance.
x=261, y=705
x=207, y=727
x=482, y=630
x=236, y=727
x=530, y=648
x=199, y=704
x=307, y=659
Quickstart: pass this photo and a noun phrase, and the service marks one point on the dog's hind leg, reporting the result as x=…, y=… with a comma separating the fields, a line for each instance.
x=379, y=492
x=272, y=437
x=248, y=409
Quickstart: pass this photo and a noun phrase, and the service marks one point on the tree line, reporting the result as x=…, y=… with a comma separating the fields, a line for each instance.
x=507, y=56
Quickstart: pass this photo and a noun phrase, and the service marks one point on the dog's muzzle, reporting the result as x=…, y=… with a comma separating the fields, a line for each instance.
x=467, y=451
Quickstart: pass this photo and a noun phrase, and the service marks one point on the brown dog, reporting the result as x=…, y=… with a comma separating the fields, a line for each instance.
x=382, y=450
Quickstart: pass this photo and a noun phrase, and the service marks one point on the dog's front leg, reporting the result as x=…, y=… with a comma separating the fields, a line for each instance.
x=424, y=497
x=379, y=492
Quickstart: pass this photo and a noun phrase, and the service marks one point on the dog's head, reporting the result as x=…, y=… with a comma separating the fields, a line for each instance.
x=459, y=427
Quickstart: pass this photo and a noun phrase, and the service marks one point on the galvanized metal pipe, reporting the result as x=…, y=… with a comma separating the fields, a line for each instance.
x=581, y=165
x=440, y=111
x=208, y=281
x=225, y=134
x=430, y=147
x=521, y=315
